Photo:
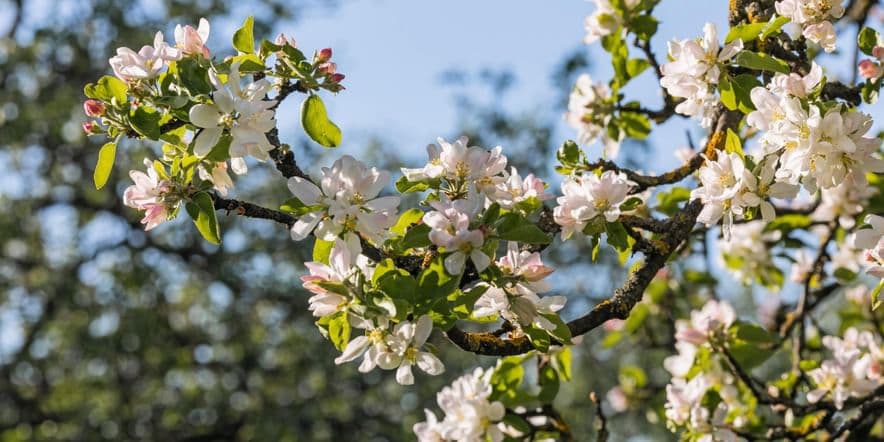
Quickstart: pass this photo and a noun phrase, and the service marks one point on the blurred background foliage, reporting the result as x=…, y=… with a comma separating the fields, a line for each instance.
x=114, y=334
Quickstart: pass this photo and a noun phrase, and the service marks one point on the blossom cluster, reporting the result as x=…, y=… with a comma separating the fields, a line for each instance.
x=856, y=369
x=813, y=18
x=469, y=413
x=685, y=405
x=605, y=20
x=590, y=197
x=871, y=241
x=590, y=107
x=694, y=72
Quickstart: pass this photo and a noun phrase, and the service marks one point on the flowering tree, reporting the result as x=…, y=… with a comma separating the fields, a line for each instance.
x=467, y=262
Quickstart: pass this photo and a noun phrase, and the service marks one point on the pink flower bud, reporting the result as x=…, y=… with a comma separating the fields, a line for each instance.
x=282, y=40
x=337, y=78
x=90, y=128
x=327, y=68
x=93, y=108
x=324, y=55
x=878, y=52
x=868, y=69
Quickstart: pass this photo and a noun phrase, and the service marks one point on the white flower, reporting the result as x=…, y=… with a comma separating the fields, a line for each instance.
x=514, y=190
x=519, y=305
x=372, y=346
x=796, y=85
x=745, y=254
x=131, y=66
x=694, y=69
x=714, y=317
x=589, y=111
x=193, y=41
x=406, y=342
x=683, y=398
x=589, y=196
x=149, y=194
x=721, y=181
x=872, y=241
x=843, y=202
x=219, y=177
x=680, y=365
x=460, y=163
x=469, y=415
x=345, y=262
x=450, y=225
x=812, y=16
x=347, y=202
x=240, y=110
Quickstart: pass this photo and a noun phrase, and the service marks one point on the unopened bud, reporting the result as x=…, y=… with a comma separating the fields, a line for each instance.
x=878, y=52
x=90, y=127
x=282, y=40
x=327, y=68
x=324, y=55
x=93, y=108
x=868, y=69
x=337, y=78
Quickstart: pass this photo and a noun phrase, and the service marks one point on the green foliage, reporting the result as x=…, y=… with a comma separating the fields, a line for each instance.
x=736, y=92
x=746, y=32
x=515, y=227
x=732, y=144
x=774, y=27
x=244, y=38
x=146, y=121
x=105, y=164
x=202, y=210
x=339, y=330
x=761, y=62
x=316, y=123
x=667, y=202
x=322, y=250
x=434, y=284
x=867, y=39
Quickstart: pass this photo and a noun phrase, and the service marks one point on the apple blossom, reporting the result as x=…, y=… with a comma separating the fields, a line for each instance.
x=469, y=414
x=605, y=20
x=219, y=177
x=721, y=181
x=192, y=41
x=812, y=16
x=241, y=111
x=450, y=225
x=93, y=108
x=345, y=263
x=406, y=342
x=131, y=66
x=872, y=242
x=590, y=109
x=347, y=201
x=514, y=190
x=589, y=196
x=150, y=194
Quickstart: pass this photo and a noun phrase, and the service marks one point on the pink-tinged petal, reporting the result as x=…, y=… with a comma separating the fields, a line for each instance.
x=304, y=225
x=206, y=141
x=404, y=375
x=423, y=328
x=205, y=116
x=304, y=190
x=430, y=364
x=455, y=262
x=354, y=348
x=383, y=204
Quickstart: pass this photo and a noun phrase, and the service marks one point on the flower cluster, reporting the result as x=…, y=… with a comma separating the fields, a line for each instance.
x=152, y=194
x=346, y=202
x=589, y=197
x=517, y=300
x=746, y=254
x=694, y=72
x=605, y=20
x=685, y=396
x=856, y=369
x=813, y=18
x=469, y=413
x=590, y=107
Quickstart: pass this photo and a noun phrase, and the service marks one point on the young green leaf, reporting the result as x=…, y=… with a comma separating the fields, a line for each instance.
x=202, y=210
x=515, y=227
x=867, y=40
x=243, y=38
x=761, y=62
x=105, y=164
x=746, y=32
x=733, y=144
x=316, y=123
x=146, y=121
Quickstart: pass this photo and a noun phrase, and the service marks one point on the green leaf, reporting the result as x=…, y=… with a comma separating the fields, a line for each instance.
x=733, y=144
x=539, y=338
x=202, y=210
x=753, y=334
x=636, y=318
x=867, y=40
x=632, y=377
x=105, y=164
x=321, y=250
x=569, y=154
x=507, y=378
x=667, y=202
x=630, y=204
x=243, y=38
x=298, y=208
x=406, y=219
x=416, y=236
x=845, y=274
x=787, y=223
x=146, y=121
x=249, y=63
x=515, y=227
x=434, y=283
x=773, y=27
x=643, y=26
x=316, y=123
x=635, y=125
x=549, y=384
x=746, y=32
x=492, y=213
x=339, y=330
x=561, y=332
x=395, y=282
x=635, y=66
x=561, y=361
x=876, y=301
x=107, y=88
x=405, y=186
x=617, y=236
x=762, y=62
x=741, y=87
